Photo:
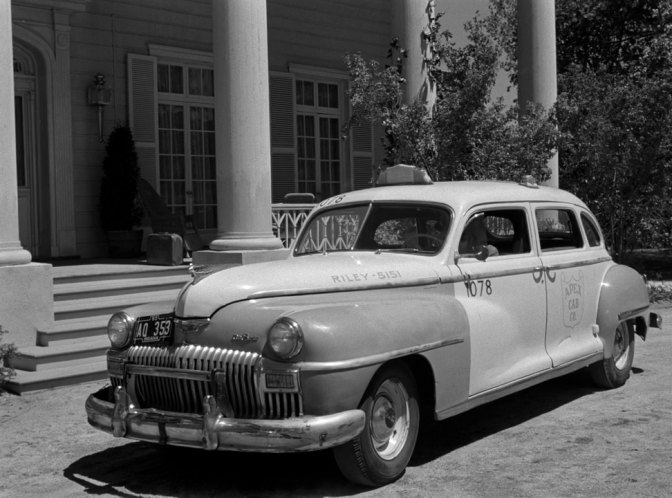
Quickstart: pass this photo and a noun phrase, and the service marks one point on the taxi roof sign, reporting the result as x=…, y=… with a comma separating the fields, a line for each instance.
x=403, y=174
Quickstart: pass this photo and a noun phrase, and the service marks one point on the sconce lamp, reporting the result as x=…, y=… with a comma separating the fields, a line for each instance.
x=99, y=96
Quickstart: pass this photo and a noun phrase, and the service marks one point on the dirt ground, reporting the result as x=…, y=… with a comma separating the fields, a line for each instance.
x=562, y=438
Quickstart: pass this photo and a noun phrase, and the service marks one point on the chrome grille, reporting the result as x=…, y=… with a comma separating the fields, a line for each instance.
x=186, y=395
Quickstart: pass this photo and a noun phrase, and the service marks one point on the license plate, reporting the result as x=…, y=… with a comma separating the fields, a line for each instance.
x=155, y=330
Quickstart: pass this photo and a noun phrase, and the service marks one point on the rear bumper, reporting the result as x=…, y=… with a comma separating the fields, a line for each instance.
x=213, y=431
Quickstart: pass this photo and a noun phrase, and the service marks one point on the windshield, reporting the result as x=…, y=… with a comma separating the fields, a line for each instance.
x=409, y=228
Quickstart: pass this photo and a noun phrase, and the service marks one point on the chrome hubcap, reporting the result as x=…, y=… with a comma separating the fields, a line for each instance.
x=390, y=417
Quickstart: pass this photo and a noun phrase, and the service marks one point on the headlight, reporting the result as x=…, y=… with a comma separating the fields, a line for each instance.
x=285, y=338
x=119, y=329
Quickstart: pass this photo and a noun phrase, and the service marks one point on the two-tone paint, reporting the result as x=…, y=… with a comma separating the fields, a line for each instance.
x=470, y=331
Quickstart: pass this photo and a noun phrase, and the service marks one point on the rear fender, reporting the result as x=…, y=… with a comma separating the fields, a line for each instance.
x=623, y=298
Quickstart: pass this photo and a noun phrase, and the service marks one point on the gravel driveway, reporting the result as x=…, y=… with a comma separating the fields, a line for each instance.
x=562, y=438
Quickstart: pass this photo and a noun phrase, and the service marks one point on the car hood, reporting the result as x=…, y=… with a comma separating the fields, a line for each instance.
x=303, y=275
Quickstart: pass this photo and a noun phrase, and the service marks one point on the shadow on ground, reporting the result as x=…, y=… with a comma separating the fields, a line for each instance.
x=142, y=468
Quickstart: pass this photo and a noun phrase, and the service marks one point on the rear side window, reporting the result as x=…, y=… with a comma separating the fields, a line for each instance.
x=558, y=229
x=592, y=233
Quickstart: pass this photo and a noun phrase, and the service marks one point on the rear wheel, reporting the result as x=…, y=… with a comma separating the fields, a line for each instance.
x=379, y=455
x=613, y=372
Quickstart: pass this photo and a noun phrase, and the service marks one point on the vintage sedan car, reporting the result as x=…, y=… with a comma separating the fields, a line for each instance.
x=396, y=301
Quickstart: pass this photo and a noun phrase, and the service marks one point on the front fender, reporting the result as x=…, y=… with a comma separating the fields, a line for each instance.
x=349, y=335
x=623, y=297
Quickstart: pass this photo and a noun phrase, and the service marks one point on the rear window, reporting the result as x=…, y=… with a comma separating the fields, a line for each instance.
x=558, y=229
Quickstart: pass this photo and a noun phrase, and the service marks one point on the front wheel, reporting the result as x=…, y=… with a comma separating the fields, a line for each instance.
x=613, y=372
x=379, y=455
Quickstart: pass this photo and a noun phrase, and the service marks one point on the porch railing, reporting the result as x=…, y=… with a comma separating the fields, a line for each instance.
x=287, y=220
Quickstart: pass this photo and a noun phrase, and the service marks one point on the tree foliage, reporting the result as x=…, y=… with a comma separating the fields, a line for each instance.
x=614, y=112
x=620, y=36
x=465, y=135
x=7, y=351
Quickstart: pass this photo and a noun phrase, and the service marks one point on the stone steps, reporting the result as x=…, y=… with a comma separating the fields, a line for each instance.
x=72, y=349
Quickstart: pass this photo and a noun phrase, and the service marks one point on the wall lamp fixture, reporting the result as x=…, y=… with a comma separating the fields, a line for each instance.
x=99, y=96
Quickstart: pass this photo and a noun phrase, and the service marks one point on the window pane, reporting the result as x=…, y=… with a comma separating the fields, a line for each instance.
x=164, y=116
x=178, y=142
x=592, y=233
x=195, y=81
x=164, y=142
x=177, y=117
x=209, y=118
x=196, y=118
x=209, y=144
x=197, y=167
x=163, y=78
x=558, y=229
x=176, y=85
x=208, y=82
x=178, y=167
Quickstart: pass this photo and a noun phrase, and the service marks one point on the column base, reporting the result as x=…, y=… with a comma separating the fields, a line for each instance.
x=26, y=302
x=242, y=257
x=253, y=243
x=14, y=256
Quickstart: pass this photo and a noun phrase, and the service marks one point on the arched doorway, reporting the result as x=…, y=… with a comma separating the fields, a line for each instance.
x=32, y=170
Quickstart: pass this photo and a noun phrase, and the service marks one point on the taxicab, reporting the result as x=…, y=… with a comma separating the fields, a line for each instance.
x=411, y=299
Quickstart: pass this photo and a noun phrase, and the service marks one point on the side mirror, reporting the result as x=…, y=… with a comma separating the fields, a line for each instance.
x=481, y=252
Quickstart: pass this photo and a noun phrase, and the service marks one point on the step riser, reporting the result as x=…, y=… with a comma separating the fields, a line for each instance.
x=74, y=279
x=45, y=338
x=33, y=364
x=20, y=387
x=103, y=293
x=67, y=310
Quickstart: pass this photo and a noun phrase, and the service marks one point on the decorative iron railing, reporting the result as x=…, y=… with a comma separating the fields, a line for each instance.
x=288, y=219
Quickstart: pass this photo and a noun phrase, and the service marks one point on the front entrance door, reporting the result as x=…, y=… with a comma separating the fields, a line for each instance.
x=24, y=114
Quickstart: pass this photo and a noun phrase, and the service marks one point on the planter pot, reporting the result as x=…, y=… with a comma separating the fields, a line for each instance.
x=124, y=243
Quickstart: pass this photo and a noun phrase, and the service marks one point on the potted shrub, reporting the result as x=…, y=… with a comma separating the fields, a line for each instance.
x=120, y=210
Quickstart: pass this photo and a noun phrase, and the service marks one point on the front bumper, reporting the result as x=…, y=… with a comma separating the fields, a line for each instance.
x=213, y=431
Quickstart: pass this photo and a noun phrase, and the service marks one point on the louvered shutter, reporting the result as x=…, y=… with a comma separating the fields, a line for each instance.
x=362, y=153
x=143, y=113
x=283, y=135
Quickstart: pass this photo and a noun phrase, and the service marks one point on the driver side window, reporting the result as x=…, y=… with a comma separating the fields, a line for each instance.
x=502, y=232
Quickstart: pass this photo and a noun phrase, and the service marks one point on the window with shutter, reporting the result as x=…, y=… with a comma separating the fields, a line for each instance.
x=283, y=135
x=172, y=111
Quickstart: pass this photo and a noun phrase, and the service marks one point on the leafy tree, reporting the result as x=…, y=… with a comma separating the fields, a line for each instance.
x=614, y=111
x=465, y=135
x=617, y=153
x=621, y=36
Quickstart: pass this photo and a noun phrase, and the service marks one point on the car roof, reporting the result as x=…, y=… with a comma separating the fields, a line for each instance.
x=460, y=195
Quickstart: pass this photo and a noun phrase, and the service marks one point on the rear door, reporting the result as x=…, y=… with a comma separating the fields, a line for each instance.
x=573, y=269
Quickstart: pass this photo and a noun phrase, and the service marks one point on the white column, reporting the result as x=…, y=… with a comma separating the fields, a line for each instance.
x=11, y=252
x=409, y=19
x=242, y=118
x=537, y=73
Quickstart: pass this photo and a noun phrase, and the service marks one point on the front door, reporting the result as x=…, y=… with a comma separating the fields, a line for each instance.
x=503, y=296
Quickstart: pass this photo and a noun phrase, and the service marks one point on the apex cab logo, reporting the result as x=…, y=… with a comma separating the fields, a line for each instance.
x=572, y=299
